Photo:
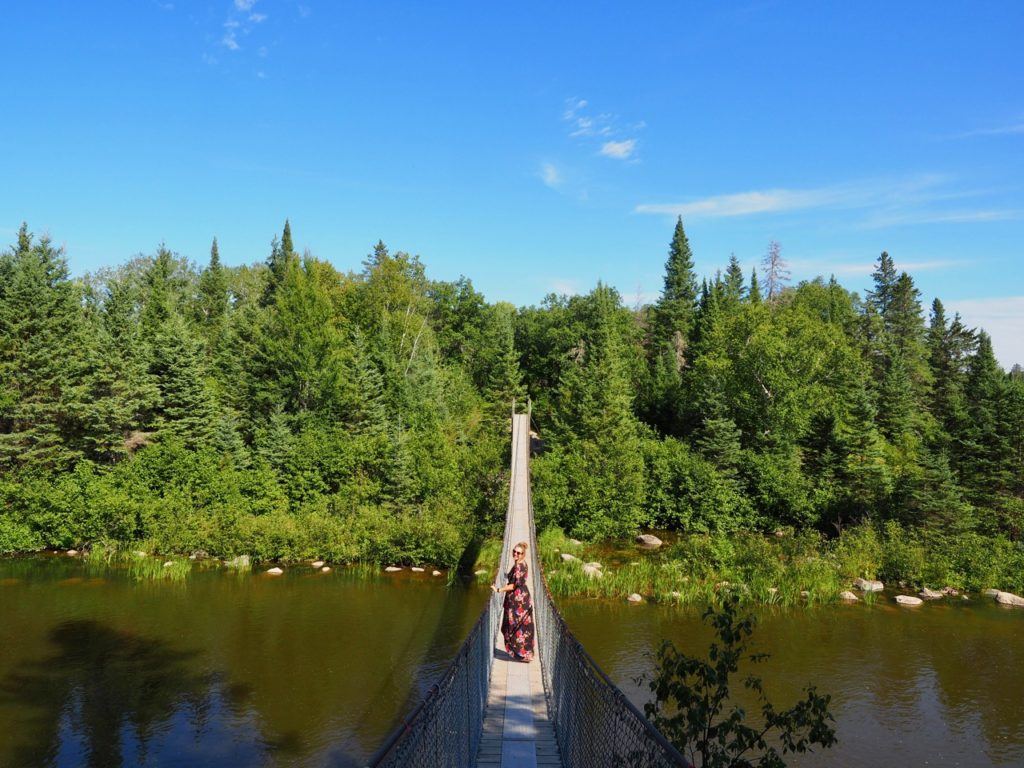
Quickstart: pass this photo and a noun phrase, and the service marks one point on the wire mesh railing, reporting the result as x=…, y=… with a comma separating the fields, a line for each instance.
x=444, y=729
x=595, y=724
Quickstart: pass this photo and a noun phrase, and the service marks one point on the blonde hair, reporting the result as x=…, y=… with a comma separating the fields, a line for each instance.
x=522, y=544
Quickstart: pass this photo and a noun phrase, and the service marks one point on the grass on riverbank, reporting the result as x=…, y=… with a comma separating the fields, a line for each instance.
x=798, y=568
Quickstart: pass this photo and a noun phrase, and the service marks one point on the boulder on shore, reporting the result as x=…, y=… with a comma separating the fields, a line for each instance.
x=416, y=569
x=392, y=569
x=318, y=563
x=849, y=596
x=647, y=541
x=931, y=594
x=908, y=600
x=575, y=542
x=635, y=598
x=990, y=592
x=869, y=585
x=592, y=572
x=72, y=552
x=1008, y=598
x=567, y=557
x=242, y=562
x=275, y=571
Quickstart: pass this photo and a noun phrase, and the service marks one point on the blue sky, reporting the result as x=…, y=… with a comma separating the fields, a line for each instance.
x=534, y=147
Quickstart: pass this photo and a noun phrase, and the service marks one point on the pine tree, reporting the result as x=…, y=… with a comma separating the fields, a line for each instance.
x=985, y=449
x=885, y=284
x=755, y=288
x=673, y=312
x=213, y=291
x=186, y=408
x=282, y=254
x=160, y=301
x=734, y=289
x=505, y=382
x=39, y=359
x=896, y=400
x=864, y=472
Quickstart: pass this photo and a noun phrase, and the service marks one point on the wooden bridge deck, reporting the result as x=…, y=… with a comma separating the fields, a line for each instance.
x=517, y=732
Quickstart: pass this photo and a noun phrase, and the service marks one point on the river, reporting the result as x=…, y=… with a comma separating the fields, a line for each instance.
x=98, y=668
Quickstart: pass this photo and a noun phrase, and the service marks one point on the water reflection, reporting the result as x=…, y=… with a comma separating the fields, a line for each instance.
x=941, y=684
x=302, y=670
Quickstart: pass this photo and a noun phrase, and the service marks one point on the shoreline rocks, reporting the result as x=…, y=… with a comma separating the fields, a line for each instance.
x=908, y=600
x=1008, y=598
x=392, y=569
x=318, y=563
x=435, y=573
x=869, y=585
x=242, y=562
x=635, y=598
x=593, y=571
x=849, y=596
x=275, y=571
x=566, y=557
x=416, y=569
x=931, y=594
x=647, y=541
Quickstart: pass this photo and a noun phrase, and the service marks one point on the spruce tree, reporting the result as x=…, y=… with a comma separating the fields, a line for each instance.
x=754, y=295
x=674, y=310
x=734, y=289
x=39, y=360
x=213, y=291
x=885, y=278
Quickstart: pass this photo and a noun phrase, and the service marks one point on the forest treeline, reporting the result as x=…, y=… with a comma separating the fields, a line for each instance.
x=287, y=409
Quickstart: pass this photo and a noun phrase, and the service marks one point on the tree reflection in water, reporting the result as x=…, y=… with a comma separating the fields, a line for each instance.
x=113, y=690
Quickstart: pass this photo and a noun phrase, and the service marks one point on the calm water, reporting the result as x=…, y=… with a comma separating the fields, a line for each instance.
x=304, y=669
x=941, y=685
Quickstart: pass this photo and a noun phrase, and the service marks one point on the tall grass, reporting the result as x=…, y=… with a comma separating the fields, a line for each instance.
x=798, y=568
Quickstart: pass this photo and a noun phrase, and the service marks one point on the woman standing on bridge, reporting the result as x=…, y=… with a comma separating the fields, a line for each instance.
x=517, y=610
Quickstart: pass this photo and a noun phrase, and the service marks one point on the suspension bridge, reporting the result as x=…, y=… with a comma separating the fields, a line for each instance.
x=492, y=712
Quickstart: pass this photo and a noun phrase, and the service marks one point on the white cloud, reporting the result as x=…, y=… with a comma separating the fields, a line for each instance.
x=866, y=267
x=940, y=217
x=890, y=202
x=550, y=175
x=244, y=5
x=230, y=39
x=256, y=18
x=1003, y=318
x=1002, y=130
x=620, y=150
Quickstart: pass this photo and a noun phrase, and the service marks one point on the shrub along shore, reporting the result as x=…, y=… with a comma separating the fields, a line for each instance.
x=789, y=569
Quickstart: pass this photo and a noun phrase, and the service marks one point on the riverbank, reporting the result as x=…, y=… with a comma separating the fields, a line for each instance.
x=791, y=568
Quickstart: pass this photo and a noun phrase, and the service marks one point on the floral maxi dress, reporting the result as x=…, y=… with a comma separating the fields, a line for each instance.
x=517, y=616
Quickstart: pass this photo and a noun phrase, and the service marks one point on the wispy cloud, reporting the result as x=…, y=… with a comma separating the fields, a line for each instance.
x=1000, y=130
x=940, y=217
x=1002, y=317
x=887, y=202
x=605, y=127
x=550, y=175
x=241, y=21
x=620, y=150
x=562, y=285
x=867, y=266
x=244, y=5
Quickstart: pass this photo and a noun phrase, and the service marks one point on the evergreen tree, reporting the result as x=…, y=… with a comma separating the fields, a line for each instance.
x=864, y=473
x=885, y=278
x=213, y=291
x=755, y=288
x=282, y=254
x=734, y=289
x=985, y=448
x=673, y=312
x=186, y=408
x=896, y=400
x=39, y=360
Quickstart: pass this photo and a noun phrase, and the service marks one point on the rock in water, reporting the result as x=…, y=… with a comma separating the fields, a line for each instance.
x=848, y=596
x=990, y=592
x=392, y=569
x=318, y=563
x=325, y=569
x=416, y=569
x=908, y=600
x=591, y=572
x=869, y=585
x=931, y=594
x=72, y=552
x=1008, y=598
x=647, y=541
x=435, y=573
x=275, y=571
x=635, y=598
x=241, y=562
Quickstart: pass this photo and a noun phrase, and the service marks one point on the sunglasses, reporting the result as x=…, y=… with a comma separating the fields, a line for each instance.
x=517, y=551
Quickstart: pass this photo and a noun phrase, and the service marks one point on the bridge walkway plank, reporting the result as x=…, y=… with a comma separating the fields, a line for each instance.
x=517, y=732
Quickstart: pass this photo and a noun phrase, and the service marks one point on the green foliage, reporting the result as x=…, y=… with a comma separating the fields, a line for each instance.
x=693, y=704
